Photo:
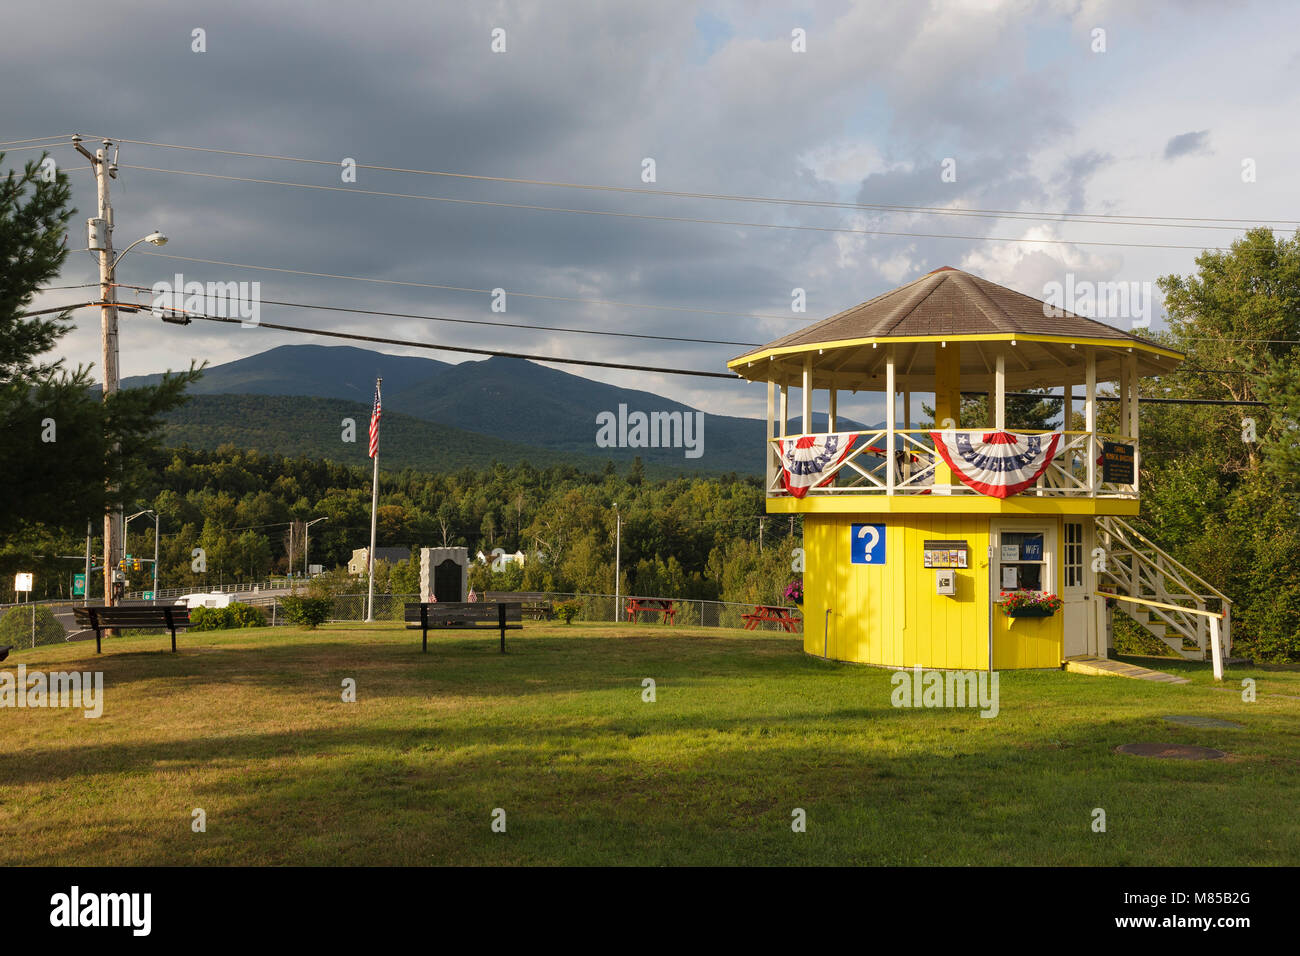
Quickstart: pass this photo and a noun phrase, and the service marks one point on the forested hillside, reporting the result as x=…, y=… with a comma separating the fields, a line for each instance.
x=693, y=537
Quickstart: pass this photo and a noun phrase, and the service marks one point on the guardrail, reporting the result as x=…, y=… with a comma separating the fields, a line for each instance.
x=163, y=593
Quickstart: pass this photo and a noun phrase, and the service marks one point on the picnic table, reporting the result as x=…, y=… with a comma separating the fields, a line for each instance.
x=663, y=606
x=772, y=614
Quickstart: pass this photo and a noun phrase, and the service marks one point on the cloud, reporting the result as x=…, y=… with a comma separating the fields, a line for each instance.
x=586, y=90
x=1187, y=144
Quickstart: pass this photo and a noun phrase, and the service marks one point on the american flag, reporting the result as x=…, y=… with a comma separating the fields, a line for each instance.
x=374, y=422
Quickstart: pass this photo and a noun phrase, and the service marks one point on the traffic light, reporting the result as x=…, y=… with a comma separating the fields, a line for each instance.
x=136, y=565
x=121, y=565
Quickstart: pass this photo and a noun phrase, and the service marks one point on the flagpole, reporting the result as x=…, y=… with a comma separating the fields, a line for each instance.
x=374, y=512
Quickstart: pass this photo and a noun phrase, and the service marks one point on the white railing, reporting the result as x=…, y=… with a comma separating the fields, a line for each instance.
x=1176, y=605
x=863, y=471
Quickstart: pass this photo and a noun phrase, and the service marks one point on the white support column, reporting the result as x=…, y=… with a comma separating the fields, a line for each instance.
x=807, y=394
x=1131, y=364
x=1000, y=394
x=1123, y=398
x=771, y=410
x=768, y=435
x=1090, y=418
x=832, y=410
x=889, y=420
x=784, y=410
x=907, y=410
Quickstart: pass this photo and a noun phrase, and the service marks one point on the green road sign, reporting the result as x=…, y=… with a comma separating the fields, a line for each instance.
x=78, y=585
x=147, y=595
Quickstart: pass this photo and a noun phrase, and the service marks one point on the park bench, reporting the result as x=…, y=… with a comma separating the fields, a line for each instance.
x=535, y=604
x=132, y=617
x=491, y=615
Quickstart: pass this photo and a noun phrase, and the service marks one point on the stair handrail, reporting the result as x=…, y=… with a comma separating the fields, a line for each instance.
x=1216, y=617
x=1170, y=558
x=1160, y=604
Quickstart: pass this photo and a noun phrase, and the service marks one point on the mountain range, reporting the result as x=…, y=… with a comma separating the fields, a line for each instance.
x=437, y=416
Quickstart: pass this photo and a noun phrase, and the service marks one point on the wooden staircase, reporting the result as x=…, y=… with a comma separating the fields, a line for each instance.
x=1136, y=567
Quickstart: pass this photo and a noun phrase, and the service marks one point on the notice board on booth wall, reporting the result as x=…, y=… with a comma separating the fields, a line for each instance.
x=945, y=554
x=1116, y=463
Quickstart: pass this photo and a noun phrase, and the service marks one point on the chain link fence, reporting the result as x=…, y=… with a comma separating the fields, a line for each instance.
x=591, y=607
x=351, y=608
x=51, y=625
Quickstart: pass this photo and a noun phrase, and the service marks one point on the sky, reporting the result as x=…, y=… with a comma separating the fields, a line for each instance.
x=1025, y=105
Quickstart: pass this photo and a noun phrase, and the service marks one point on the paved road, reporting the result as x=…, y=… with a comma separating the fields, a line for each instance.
x=65, y=616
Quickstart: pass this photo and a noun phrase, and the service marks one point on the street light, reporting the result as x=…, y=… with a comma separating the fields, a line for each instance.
x=147, y=511
x=99, y=231
x=306, y=538
x=157, y=238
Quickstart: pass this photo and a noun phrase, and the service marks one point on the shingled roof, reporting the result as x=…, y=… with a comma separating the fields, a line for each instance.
x=950, y=304
x=947, y=301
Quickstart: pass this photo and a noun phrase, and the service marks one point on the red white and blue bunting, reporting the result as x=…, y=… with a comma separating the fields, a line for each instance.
x=1000, y=464
x=810, y=461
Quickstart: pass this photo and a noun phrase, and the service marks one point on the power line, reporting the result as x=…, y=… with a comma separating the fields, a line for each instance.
x=15, y=149
x=1094, y=218
x=640, y=368
x=36, y=139
x=451, y=288
x=448, y=348
x=1142, y=400
x=685, y=219
x=508, y=325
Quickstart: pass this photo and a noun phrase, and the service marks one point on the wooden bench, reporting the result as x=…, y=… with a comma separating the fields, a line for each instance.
x=129, y=617
x=492, y=615
x=536, y=604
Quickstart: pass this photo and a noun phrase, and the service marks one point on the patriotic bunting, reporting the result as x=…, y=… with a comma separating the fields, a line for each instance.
x=1000, y=464
x=809, y=461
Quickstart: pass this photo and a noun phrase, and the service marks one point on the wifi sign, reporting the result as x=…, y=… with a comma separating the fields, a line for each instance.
x=867, y=545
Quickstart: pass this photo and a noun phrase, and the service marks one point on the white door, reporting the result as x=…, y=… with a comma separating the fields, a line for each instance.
x=1074, y=613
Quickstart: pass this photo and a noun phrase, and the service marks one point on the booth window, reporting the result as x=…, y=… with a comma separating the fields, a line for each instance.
x=1022, y=565
x=1072, y=563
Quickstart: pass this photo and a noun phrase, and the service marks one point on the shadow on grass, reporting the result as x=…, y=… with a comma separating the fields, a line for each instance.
x=370, y=795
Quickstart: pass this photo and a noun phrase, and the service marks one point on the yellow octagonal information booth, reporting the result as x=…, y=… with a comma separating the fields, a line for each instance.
x=938, y=545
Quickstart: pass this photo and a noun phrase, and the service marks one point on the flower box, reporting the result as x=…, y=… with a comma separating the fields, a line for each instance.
x=1030, y=612
x=1029, y=604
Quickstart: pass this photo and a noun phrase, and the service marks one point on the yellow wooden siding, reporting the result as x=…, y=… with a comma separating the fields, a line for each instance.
x=890, y=614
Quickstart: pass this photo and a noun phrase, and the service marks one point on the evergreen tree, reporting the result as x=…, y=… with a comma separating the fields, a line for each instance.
x=63, y=446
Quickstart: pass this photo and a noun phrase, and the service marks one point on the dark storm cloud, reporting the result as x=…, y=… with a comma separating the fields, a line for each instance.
x=585, y=91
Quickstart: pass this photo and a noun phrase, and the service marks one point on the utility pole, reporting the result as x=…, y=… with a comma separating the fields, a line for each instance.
x=157, y=524
x=618, y=555
x=306, y=532
x=85, y=588
x=100, y=231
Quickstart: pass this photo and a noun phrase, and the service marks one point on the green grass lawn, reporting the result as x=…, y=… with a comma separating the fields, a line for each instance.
x=250, y=726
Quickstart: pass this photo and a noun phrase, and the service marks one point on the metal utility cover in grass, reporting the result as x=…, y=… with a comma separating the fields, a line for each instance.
x=1171, y=751
x=1191, y=720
